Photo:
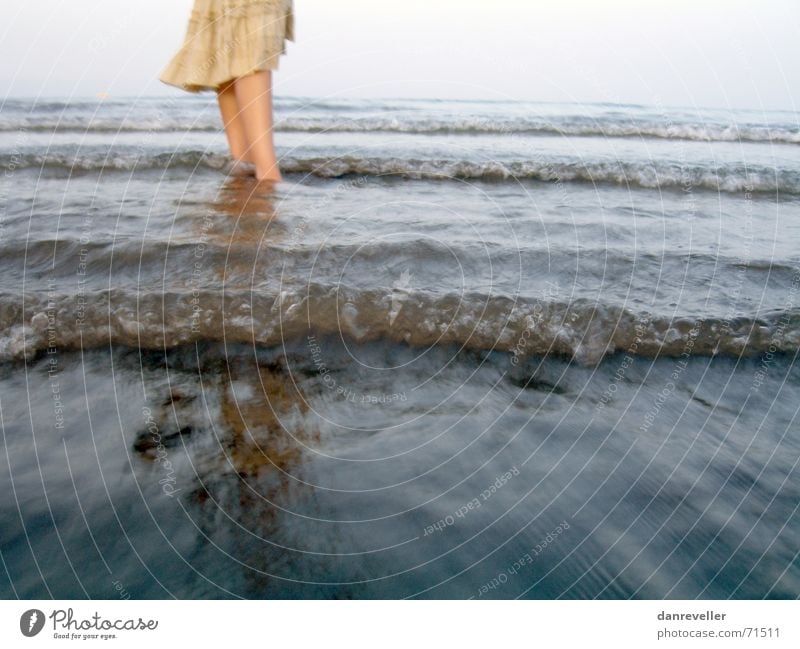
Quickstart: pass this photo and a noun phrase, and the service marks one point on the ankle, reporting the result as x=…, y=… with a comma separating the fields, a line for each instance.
x=269, y=173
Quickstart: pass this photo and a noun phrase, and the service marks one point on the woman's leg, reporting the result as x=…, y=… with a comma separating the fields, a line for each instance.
x=254, y=98
x=232, y=121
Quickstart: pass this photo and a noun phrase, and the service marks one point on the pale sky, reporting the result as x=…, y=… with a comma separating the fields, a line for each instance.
x=680, y=52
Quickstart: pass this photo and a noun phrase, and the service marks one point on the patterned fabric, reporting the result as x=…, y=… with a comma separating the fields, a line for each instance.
x=227, y=39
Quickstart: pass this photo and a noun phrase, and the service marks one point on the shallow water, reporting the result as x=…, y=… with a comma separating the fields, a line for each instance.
x=377, y=471
x=485, y=350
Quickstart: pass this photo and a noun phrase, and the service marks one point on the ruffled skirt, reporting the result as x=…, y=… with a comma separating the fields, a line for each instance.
x=227, y=39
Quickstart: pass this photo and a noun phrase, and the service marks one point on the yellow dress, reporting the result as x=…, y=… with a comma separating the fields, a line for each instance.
x=227, y=39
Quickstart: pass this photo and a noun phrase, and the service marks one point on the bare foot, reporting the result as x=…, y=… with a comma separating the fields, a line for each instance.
x=273, y=174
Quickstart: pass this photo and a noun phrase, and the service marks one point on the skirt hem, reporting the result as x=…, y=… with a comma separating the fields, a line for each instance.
x=249, y=36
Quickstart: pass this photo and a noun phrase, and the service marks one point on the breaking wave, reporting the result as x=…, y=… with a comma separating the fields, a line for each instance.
x=636, y=174
x=575, y=127
x=582, y=330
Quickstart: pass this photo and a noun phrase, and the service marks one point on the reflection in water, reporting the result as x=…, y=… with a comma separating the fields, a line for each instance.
x=241, y=422
x=232, y=233
x=244, y=196
x=253, y=472
x=244, y=429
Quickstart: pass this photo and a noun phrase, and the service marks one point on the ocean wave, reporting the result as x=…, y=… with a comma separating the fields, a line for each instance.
x=111, y=161
x=88, y=124
x=655, y=175
x=129, y=261
x=577, y=127
x=665, y=175
x=581, y=128
x=583, y=330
